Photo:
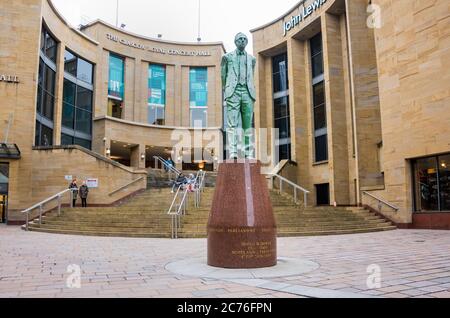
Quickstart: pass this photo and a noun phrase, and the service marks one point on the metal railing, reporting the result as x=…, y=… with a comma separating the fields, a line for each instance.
x=199, y=187
x=170, y=168
x=381, y=202
x=180, y=202
x=296, y=188
x=177, y=209
x=126, y=186
x=41, y=204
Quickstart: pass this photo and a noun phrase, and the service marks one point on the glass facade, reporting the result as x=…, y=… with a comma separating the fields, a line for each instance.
x=45, y=102
x=116, y=76
x=432, y=184
x=319, y=102
x=77, y=101
x=198, y=96
x=78, y=67
x=281, y=105
x=156, y=94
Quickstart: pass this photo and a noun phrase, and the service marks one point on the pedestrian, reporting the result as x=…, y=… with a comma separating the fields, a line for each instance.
x=73, y=186
x=181, y=180
x=84, y=191
x=169, y=164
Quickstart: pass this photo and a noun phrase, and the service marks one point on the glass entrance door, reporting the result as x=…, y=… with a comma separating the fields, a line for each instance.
x=3, y=208
x=432, y=184
x=4, y=183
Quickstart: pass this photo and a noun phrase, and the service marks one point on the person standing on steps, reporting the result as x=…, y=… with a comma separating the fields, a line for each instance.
x=73, y=186
x=84, y=192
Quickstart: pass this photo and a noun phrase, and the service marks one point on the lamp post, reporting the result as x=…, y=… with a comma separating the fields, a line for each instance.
x=117, y=14
x=199, y=39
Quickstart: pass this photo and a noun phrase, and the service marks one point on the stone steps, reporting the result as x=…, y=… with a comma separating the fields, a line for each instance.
x=146, y=216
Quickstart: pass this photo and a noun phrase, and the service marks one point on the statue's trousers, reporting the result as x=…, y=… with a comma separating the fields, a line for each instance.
x=240, y=105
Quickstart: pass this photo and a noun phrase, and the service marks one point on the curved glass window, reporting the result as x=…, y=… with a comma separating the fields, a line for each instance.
x=198, y=96
x=78, y=67
x=281, y=107
x=77, y=101
x=156, y=94
x=45, y=100
x=319, y=103
x=116, y=76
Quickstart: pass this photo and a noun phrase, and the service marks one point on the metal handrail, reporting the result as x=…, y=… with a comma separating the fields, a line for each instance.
x=381, y=202
x=180, y=209
x=41, y=204
x=166, y=164
x=199, y=187
x=176, y=211
x=126, y=186
x=295, y=186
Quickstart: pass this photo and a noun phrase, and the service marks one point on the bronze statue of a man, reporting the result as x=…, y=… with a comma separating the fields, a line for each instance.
x=238, y=68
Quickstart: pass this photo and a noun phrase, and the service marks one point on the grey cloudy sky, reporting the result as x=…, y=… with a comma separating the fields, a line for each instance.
x=177, y=20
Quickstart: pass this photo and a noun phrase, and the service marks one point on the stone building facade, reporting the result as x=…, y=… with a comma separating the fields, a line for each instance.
x=96, y=102
x=360, y=92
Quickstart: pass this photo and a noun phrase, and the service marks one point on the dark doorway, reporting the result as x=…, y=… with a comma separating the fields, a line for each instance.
x=4, y=184
x=323, y=194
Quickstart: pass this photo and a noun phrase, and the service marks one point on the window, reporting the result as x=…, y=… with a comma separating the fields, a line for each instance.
x=281, y=105
x=48, y=45
x=115, y=108
x=432, y=184
x=198, y=96
x=77, y=101
x=156, y=94
x=44, y=135
x=45, y=100
x=319, y=103
x=78, y=67
x=116, y=77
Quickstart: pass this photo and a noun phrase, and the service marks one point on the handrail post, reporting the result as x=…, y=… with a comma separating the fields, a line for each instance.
x=71, y=199
x=40, y=214
x=295, y=195
x=305, y=197
x=59, y=205
x=281, y=186
x=27, y=220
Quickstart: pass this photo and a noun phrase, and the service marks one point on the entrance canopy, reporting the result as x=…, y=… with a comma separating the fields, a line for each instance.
x=9, y=151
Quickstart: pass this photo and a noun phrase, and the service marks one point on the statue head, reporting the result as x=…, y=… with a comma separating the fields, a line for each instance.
x=241, y=41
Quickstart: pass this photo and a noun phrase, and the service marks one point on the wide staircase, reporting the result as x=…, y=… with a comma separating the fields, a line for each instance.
x=142, y=216
x=294, y=220
x=146, y=216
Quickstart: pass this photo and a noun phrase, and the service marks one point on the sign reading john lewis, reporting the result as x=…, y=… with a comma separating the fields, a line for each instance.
x=304, y=13
x=143, y=47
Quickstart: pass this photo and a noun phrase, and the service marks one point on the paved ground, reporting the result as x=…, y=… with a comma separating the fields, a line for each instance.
x=395, y=264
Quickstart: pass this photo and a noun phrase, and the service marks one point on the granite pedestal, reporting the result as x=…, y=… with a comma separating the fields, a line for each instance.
x=242, y=232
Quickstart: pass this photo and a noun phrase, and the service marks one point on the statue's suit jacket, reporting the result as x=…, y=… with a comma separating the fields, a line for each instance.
x=230, y=73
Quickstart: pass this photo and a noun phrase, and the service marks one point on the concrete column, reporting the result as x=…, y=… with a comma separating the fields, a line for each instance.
x=136, y=157
x=365, y=94
x=141, y=91
x=213, y=109
x=185, y=112
x=178, y=98
x=171, y=103
x=336, y=109
x=59, y=89
x=299, y=109
x=101, y=85
x=129, y=105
